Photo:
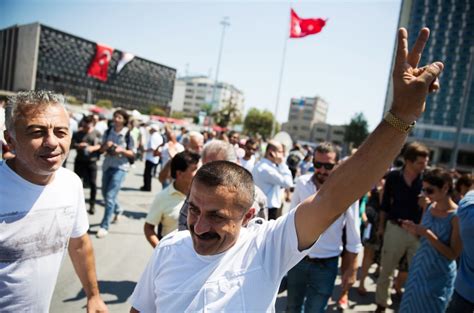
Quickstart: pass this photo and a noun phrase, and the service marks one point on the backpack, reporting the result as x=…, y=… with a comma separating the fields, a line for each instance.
x=127, y=140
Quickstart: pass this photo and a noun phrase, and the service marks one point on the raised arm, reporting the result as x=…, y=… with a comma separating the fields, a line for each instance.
x=369, y=163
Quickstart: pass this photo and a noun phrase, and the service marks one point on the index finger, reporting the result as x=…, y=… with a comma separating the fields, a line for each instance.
x=415, y=55
x=402, y=48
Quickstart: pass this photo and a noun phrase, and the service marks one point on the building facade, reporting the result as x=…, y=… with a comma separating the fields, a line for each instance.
x=452, y=108
x=36, y=56
x=303, y=115
x=193, y=92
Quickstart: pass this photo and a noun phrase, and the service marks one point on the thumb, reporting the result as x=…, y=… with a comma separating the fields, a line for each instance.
x=431, y=72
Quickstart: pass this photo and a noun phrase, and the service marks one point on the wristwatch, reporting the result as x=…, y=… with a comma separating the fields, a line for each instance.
x=397, y=123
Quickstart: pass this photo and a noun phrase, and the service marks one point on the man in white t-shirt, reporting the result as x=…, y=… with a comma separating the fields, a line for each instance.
x=167, y=204
x=311, y=281
x=42, y=211
x=220, y=266
x=155, y=140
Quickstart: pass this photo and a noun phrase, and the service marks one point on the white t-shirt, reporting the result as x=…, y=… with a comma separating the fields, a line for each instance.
x=154, y=142
x=330, y=242
x=248, y=164
x=36, y=223
x=245, y=278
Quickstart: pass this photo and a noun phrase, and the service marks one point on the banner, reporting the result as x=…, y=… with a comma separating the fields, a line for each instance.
x=124, y=60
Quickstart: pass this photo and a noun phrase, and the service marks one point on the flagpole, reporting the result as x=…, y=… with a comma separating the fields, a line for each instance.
x=280, y=79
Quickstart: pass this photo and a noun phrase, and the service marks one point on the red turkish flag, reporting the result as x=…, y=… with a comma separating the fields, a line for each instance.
x=100, y=64
x=301, y=27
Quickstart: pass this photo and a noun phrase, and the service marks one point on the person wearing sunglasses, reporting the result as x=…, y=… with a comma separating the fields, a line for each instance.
x=399, y=202
x=433, y=269
x=311, y=281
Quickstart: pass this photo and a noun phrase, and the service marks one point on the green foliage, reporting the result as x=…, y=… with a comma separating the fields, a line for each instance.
x=104, y=103
x=357, y=130
x=259, y=122
x=73, y=100
x=156, y=110
x=226, y=116
x=178, y=114
x=207, y=107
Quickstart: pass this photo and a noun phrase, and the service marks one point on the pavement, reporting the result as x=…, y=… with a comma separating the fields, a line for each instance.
x=122, y=256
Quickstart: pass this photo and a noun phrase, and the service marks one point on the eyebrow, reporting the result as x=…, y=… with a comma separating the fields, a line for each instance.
x=43, y=127
x=195, y=206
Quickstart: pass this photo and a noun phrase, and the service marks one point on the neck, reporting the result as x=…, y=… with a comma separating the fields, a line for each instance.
x=180, y=187
x=118, y=128
x=445, y=204
x=41, y=180
x=315, y=181
x=410, y=173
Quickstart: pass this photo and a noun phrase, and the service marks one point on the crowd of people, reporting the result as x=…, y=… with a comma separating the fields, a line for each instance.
x=219, y=210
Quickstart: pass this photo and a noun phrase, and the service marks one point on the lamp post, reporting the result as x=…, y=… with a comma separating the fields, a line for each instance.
x=225, y=23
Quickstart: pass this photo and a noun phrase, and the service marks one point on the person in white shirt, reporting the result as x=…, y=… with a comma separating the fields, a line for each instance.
x=311, y=282
x=271, y=174
x=221, y=266
x=155, y=140
x=167, y=204
x=248, y=160
x=42, y=208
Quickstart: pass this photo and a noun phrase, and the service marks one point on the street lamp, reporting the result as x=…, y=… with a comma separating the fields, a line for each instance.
x=225, y=23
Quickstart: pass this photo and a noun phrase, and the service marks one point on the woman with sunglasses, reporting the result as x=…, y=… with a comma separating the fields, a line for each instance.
x=433, y=269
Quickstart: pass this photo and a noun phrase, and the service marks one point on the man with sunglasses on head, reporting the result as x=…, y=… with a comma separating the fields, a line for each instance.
x=399, y=202
x=228, y=267
x=311, y=281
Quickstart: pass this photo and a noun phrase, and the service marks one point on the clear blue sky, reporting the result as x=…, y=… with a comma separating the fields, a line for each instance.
x=347, y=64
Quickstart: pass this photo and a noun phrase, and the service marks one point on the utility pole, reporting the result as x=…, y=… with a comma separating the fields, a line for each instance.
x=225, y=23
x=462, y=111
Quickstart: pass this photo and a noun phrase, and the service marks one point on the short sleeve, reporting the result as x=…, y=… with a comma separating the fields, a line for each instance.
x=81, y=224
x=155, y=214
x=143, y=297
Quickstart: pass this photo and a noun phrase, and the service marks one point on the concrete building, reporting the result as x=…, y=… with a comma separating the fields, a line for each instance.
x=36, y=56
x=451, y=41
x=303, y=115
x=326, y=132
x=192, y=92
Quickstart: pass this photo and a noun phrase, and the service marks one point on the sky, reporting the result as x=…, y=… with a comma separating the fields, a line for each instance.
x=347, y=64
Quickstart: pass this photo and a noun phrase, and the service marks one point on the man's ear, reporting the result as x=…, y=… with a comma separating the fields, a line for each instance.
x=9, y=140
x=248, y=216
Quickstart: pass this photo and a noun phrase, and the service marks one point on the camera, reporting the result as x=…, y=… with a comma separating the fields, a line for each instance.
x=111, y=149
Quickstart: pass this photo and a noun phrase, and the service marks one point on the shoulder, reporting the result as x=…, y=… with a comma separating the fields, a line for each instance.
x=393, y=174
x=174, y=240
x=65, y=174
x=303, y=179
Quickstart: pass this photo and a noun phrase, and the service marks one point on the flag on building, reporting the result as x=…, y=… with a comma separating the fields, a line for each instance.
x=301, y=27
x=124, y=60
x=100, y=65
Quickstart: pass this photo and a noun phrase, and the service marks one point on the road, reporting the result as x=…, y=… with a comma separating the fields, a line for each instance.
x=124, y=253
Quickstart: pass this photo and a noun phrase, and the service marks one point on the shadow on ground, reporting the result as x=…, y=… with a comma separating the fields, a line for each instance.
x=120, y=289
x=134, y=215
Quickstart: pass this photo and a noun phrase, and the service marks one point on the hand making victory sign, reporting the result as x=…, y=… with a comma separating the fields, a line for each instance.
x=411, y=84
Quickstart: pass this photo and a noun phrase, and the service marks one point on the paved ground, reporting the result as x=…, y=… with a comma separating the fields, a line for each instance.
x=123, y=254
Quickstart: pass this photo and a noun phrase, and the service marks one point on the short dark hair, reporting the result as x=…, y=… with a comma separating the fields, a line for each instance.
x=88, y=119
x=125, y=115
x=464, y=180
x=232, y=176
x=327, y=147
x=414, y=150
x=439, y=177
x=181, y=161
x=250, y=141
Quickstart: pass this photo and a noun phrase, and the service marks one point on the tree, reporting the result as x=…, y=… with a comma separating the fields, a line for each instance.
x=259, y=122
x=226, y=116
x=104, y=103
x=207, y=107
x=357, y=130
x=156, y=110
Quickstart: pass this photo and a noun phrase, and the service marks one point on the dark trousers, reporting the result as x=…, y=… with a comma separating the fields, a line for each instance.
x=150, y=168
x=87, y=171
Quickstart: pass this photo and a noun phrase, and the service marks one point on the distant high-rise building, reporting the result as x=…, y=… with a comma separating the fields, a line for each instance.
x=451, y=40
x=304, y=113
x=191, y=93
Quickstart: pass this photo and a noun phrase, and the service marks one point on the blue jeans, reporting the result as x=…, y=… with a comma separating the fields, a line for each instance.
x=310, y=284
x=112, y=180
x=459, y=305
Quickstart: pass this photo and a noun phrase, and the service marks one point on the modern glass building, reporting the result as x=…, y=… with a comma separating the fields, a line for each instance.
x=451, y=41
x=36, y=56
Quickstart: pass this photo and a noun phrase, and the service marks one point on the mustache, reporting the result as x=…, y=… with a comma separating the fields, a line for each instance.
x=205, y=236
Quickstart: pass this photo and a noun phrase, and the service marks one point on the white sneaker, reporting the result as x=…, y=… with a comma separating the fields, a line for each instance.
x=102, y=233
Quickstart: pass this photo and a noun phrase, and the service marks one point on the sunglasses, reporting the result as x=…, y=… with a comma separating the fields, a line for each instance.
x=327, y=166
x=428, y=190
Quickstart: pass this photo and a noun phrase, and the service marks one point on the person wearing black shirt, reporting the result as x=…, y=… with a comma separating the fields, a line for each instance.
x=87, y=144
x=399, y=202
